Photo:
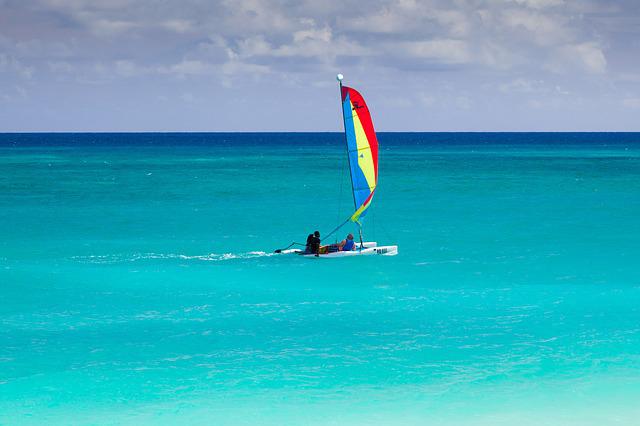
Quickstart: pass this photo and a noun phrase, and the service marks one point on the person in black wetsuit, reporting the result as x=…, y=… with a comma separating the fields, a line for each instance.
x=313, y=243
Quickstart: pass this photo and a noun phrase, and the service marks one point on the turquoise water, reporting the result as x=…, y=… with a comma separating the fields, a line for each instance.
x=137, y=284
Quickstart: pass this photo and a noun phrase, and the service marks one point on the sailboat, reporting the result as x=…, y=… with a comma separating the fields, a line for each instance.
x=362, y=151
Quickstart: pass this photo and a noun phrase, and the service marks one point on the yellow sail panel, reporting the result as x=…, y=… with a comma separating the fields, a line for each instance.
x=365, y=160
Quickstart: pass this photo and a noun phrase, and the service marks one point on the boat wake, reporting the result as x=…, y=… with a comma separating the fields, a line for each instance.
x=141, y=257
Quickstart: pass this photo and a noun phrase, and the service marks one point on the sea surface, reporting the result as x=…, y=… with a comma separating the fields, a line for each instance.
x=138, y=284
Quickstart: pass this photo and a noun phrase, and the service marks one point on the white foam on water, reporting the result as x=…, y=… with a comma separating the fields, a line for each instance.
x=135, y=257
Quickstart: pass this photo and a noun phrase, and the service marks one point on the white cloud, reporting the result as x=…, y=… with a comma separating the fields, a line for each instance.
x=188, y=97
x=445, y=51
x=254, y=46
x=12, y=94
x=319, y=43
x=477, y=49
x=234, y=67
x=592, y=57
x=540, y=4
x=631, y=103
x=189, y=67
x=587, y=57
x=10, y=64
x=60, y=66
x=244, y=17
x=178, y=25
x=457, y=23
x=545, y=30
x=489, y=33
x=520, y=85
x=109, y=27
x=409, y=17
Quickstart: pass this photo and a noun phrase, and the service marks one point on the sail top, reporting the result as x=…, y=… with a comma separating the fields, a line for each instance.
x=362, y=146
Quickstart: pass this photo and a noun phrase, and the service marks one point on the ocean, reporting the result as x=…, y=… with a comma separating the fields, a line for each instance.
x=138, y=283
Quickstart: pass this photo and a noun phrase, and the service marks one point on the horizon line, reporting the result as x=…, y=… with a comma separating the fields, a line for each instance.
x=45, y=132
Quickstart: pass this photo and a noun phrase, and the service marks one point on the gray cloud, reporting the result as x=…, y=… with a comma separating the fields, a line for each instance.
x=425, y=65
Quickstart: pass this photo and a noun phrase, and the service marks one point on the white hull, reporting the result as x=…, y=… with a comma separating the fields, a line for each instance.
x=369, y=249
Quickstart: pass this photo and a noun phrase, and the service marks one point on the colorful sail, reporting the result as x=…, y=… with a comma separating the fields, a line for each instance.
x=362, y=145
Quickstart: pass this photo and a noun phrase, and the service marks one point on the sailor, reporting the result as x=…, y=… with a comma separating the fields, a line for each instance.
x=347, y=244
x=313, y=243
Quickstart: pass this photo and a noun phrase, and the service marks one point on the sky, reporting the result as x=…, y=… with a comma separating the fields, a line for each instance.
x=270, y=65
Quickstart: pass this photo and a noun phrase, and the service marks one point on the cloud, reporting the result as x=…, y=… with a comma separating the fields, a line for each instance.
x=520, y=85
x=587, y=57
x=631, y=103
x=312, y=42
x=408, y=17
x=540, y=4
x=13, y=94
x=188, y=67
x=9, y=64
x=544, y=30
x=178, y=25
x=487, y=33
x=60, y=67
x=188, y=97
x=441, y=51
x=458, y=54
x=591, y=56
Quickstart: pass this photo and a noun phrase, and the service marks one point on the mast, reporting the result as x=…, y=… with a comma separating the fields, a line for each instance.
x=339, y=77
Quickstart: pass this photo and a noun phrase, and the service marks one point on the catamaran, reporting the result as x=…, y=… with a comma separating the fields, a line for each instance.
x=362, y=151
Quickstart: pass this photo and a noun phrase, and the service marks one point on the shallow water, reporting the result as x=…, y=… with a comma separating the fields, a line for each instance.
x=138, y=283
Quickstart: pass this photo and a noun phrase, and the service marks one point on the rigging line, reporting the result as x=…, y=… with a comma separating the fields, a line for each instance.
x=337, y=228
